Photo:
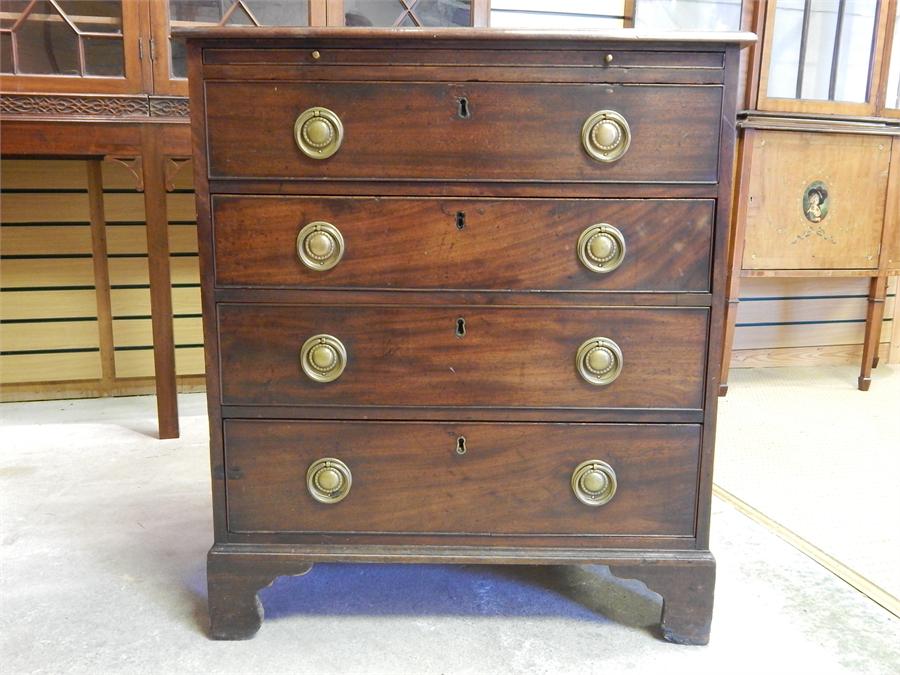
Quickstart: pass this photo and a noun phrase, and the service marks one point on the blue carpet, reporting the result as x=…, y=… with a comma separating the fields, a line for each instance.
x=581, y=593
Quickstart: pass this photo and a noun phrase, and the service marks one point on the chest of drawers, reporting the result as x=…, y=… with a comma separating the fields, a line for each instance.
x=462, y=296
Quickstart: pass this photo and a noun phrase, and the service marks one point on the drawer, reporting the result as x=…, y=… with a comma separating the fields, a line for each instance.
x=463, y=131
x=469, y=356
x=511, y=479
x=534, y=244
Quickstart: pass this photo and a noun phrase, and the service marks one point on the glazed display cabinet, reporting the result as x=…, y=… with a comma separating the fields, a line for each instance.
x=818, y=178
x=103, y=81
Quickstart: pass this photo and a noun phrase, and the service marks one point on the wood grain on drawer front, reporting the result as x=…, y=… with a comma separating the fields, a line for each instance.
x=409, y=478
x=512, y=357
x=396, y=130
x=464, y=243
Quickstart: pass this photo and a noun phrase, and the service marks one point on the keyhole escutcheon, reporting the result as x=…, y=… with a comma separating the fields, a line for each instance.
x=464, y=111
x=461, y=445
x=460, y=327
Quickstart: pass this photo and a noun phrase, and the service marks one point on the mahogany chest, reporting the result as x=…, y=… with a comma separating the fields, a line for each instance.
x=462, y=298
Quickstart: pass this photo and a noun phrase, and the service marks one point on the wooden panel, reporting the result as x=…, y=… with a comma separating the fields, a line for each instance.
x=400, y=477
x=510, y=357
x=16, y=337
x=44, y=239
x=39, y=174
x=54, y=207
x=281, y=61
x=133, y=239
x=69, y=174
x=134, y=386
x=804, y=310
x=136, y=301
x=672, y=137
x=129, y=207
x=837, y=355
x=499, y=244
x=139, y=332
x=795, y=287
x=43, y=304
x=758, y=337
x=132, y=271
x=46, y=272
x=68, y=207
x=49, y=367
x=139, y=362
x=801, y=312
x=854, y=169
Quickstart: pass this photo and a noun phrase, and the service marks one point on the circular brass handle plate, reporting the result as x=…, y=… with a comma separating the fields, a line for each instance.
x=594, y=482
x=320, y=245
x=601, y=248
x=328, y=480
x=318, y=132
x=606, y=136
x=599, y=361
x=323, y=358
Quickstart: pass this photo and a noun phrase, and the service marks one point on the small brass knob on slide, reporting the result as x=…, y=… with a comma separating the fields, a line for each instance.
x=323, y=358
x=599, y=361
x=320, y=245
x=318, y=132
x=606, y=136
x=594, y=482
x=601, y=248
x=328, y=480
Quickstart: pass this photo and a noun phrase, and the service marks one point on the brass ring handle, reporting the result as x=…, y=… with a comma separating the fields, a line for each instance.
x=328, y=480
x=320, y=245
x=594, y=482
x=599, y=361
x=318, y=132
x=601, y=248
x=606, y=136
x=323, y=358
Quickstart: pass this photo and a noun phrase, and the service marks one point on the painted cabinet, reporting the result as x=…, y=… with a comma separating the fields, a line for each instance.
x=818, y=173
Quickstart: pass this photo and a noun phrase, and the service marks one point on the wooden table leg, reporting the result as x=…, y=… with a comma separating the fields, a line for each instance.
x=160, y=282
x=731, y=308
x=101, y=273
x=874, y=318
x=736, y=250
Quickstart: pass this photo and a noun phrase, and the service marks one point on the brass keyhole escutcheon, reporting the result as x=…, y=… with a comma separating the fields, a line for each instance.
x=606, y=136
x=318, y=132
x=320, y=245
x=328, y=480
x=594, y=482
x=323, y=358
x=599, y=361
x=461, y=445
x=601, y=248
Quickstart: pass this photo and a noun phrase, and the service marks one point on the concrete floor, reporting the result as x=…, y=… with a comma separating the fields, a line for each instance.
x=104, y=531
x=805, y=447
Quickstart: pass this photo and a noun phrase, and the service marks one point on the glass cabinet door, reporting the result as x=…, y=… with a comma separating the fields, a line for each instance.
x=408, y=13
x=86, y=46
x=821, y=56
x=891, y=105
x=169, y=56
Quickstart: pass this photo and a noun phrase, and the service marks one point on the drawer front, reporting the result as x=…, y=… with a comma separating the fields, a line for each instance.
x=464, y=244
x=504, y=131
x=512, y=357
x=410, y=477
